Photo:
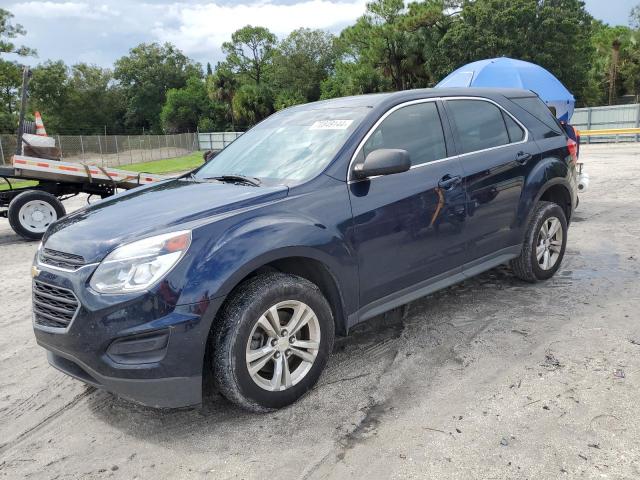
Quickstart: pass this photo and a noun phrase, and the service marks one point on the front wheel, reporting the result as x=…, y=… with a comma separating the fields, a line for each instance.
x=31, y=212
x=544, y=244
x=272, y=341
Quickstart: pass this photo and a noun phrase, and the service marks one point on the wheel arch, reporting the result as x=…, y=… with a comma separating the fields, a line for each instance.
x=557, y=191
x=302, y=261
x=304, y=264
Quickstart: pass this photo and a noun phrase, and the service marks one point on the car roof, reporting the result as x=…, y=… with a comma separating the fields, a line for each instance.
x=373, y=100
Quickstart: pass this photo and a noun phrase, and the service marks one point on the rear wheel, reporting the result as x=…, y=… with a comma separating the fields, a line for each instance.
x=272, y=341
x=544, y=244
x=31, y=213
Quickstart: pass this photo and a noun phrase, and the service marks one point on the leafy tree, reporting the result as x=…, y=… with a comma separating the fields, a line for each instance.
x=390, y=47
x=146, y=75
x=301, y=63
x=428, y=22
x=615, y=69
x=95, y=103
x=354, y=78
x=634, y=18
x=630, y=65
x=601, y=83
x=49, y=93
x=552, y=33
x=81, y=99
x=250, y=52
x=10, y=80
x=252, y=103
x=394, y=45
x=377, y=39
x=8, y=32
x=222, y=86
x=214, y=123
x=10, y=71
x=288, y=98
x=186, y=108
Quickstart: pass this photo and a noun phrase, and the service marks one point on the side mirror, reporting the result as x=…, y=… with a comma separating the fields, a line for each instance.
x=384, y=161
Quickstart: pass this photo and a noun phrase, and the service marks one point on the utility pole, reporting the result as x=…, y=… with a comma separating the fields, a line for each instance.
x=26, y=75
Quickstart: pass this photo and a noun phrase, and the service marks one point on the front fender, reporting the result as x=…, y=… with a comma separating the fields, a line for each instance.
x=245, y=247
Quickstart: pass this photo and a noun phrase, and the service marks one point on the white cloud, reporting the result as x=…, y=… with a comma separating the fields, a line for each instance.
x=76, y=30
x=56, y=10
x=204, y=27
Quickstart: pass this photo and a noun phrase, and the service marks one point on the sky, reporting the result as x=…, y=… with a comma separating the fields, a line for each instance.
x=101, y=31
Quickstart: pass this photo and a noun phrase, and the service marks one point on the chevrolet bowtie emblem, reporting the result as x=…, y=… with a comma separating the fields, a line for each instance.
x=35, y=271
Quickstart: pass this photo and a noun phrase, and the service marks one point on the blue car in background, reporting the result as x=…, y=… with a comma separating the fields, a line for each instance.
x=321, y=217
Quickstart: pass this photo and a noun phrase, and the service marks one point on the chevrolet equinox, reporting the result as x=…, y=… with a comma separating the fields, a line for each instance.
x=320, y=217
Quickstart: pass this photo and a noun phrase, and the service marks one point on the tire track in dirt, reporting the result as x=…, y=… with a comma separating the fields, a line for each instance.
x=45, y=421
x=447, y=346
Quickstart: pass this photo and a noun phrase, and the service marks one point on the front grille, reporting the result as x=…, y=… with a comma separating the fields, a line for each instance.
x=59, y=259
x=53, y=306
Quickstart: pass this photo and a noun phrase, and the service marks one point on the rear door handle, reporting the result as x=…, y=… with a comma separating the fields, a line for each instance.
x=448, y=182
x=523, y=157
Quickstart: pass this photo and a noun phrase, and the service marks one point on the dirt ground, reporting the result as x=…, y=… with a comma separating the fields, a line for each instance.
x=490, y=379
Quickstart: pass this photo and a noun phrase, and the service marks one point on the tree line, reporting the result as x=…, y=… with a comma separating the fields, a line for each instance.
x=156, y=88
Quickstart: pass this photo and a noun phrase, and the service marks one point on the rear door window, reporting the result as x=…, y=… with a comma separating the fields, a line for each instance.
x=415, y=128
x=479, y=124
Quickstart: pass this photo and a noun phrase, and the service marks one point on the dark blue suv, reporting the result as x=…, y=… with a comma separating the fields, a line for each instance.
x=320, y=217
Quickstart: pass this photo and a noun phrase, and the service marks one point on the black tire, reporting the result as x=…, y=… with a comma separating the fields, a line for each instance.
x=527, y=266
x=235, y=324
x=18, y=223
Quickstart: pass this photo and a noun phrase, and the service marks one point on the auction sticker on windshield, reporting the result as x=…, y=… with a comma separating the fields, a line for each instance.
x=331, y=125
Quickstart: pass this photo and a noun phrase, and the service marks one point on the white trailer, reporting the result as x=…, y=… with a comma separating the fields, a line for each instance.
x=32, y=209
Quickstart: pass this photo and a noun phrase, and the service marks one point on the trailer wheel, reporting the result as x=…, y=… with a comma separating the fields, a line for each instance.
x=31, y=213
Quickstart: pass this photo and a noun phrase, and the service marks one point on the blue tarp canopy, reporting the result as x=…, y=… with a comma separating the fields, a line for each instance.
x=509, y=73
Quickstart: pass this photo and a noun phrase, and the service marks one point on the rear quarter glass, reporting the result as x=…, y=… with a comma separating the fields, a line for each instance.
x=539, y=110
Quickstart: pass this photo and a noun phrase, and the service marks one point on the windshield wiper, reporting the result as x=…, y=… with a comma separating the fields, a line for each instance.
x=233, y=178
x=189, y=176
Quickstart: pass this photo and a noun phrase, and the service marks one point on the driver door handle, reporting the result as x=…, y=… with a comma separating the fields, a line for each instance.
x=448, y=181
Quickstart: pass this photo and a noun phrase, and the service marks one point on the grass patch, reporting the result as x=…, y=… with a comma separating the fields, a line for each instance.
x=16, y=184
x=170, y=165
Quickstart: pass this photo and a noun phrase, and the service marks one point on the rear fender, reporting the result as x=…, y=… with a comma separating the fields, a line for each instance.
x=546, y=173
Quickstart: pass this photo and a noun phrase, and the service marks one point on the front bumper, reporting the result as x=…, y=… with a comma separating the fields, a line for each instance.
x=136, y=346
x=172, y=392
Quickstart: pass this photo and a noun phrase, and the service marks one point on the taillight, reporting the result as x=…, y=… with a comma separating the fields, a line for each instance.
x=574, y=145
x=573, y=150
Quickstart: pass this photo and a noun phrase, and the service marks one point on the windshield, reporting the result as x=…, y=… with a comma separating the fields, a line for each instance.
x=290, y=146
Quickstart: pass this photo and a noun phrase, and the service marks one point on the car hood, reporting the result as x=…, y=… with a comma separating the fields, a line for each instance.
x=95, y=230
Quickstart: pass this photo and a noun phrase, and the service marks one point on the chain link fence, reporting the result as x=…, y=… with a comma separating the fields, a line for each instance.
x=113, y=150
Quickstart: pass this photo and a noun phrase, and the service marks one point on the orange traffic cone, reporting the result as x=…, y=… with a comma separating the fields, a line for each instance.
x=40, y=125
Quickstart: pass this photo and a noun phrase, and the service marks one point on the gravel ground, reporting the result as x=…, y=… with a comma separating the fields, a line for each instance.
x=491, y=379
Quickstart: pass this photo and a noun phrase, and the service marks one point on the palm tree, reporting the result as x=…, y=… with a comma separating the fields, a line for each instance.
x=222, y=86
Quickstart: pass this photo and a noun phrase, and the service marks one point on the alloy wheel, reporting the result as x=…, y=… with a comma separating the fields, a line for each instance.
x=283, y=345
x=549, y=245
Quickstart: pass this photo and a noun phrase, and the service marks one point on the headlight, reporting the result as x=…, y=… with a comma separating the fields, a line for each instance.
x=137, y=266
